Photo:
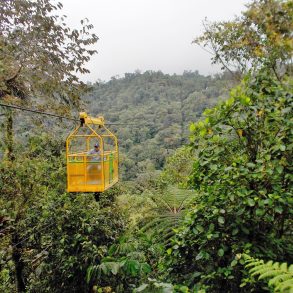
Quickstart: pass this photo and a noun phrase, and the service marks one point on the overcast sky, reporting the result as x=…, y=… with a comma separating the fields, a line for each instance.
x=148, y=34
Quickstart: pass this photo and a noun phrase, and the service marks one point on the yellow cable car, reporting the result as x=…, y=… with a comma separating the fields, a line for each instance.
x=92, y=156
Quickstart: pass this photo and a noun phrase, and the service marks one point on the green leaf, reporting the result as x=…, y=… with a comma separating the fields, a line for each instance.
x=279, y=210
x=199, y=256
x=251, y=202
x=203, y=132
x=192, y=127
x=282, y=147
x=259, y=212
x=221, y=252
x=141, y=288
x=199, y=228
x=115, y=266
x=245, y=230
x=221, y=220
x=233, y=263
x=146, y=268
x=250, y=165
x=230, y=101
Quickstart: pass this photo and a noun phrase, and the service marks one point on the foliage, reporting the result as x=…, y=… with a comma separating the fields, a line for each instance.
x=81, y=233
x=58, y=235
x=166, y=212
x=157, y=109
x=260, y=37
x=178, y=167
x=156, y=286
x=39, y=52
x=239, y=164
x=40, y=59
x=125, y=265
x=243, y=174
x=279, y=276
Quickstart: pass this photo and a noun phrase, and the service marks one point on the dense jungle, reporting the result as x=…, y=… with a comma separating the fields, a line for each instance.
x=204, y=198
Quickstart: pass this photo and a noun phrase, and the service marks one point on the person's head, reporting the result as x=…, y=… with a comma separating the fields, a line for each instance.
x=97, y=146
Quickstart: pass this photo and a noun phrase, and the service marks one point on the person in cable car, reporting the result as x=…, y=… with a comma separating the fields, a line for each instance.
x=95, y=153
x=94, y=165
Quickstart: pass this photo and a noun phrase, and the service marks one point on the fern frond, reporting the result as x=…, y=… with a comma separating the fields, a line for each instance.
x=168, y=212
x=269, y=274
x=284, y=266
x=276, y=280
x=276, y=265
x=287, y=285
x=254, y=263
x=279, y=276
x=260, y=271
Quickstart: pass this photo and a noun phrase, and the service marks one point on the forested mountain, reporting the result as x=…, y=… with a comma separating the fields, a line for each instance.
x=157, y=110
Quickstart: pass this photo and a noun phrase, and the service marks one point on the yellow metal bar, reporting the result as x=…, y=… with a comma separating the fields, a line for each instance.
x=67, y=163
x=85, y=172
x=85, y=135
x=76, y=154
x=73, y=132
x=102, y=154
x=87, y=143
x=116, y=149
x=67, y=153
x=84, y=118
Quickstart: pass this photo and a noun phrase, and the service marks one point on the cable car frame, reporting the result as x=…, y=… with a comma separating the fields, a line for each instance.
x=88, y=172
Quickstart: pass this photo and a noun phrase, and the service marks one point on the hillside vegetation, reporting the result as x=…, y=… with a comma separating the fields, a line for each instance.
x=157, y=110
x=204, y=202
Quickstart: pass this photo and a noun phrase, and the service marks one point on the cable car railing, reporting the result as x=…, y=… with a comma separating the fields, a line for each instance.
x=87, y=170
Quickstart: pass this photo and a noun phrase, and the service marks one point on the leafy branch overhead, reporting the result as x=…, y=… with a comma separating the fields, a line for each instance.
x=262, y=36
x=39, y=52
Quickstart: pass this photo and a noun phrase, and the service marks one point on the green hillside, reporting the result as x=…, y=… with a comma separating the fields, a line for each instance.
x=157, y=109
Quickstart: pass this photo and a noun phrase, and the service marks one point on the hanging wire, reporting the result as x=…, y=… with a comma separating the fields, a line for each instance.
x=37, y=230
x=36, y=111
x=55, y=115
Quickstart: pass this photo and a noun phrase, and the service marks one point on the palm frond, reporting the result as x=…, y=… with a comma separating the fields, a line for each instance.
x=168, y=211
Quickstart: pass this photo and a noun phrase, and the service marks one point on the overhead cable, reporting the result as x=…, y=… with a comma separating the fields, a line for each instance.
x=54, y=115
x=36, y=111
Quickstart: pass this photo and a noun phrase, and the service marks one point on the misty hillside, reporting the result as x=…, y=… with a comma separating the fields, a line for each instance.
x=158, y=109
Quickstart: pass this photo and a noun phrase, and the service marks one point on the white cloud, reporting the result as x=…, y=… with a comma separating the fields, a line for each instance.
x=148, y=34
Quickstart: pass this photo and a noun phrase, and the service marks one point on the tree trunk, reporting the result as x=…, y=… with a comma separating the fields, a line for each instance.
x=9, y=136
x=15, y=239
x=18, y=262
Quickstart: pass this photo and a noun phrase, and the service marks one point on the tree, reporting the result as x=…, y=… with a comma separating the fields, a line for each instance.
x=39, y=59
x=39, y=53
x=243, y=177
x=260, y=37
x=178, y=167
